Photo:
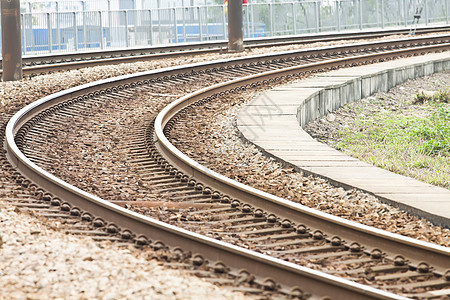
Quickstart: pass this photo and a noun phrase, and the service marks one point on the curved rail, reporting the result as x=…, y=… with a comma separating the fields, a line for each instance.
x=261, y=265
x=414, y=249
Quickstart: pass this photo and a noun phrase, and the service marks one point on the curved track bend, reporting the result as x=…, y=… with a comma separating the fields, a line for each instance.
x=269, y=224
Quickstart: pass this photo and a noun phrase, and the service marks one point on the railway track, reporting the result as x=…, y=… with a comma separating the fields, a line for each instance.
x=199, y=198
x=54, y=62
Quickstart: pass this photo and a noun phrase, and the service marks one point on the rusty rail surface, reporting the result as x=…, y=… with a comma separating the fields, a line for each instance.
x=287, y=274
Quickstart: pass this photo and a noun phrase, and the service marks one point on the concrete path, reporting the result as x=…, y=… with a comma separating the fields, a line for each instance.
x=272, y=122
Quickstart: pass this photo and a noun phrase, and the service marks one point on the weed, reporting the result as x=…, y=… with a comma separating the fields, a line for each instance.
x=413, y=144
x=441, y=96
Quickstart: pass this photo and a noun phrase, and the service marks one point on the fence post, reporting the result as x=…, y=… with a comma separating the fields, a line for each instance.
x=253, y=19
x=224, y=22
x=377, y=12
x=30, y=22
x=247, y=19
x=175, y=24
x=84, y=24
x=184, y=22
x=11, y=40
x=235, y=28
x=446, y=11
x=360, y=14
x=58, y=28
x=109, y=22
x=151, y=26
x=127, y=42
x=159, y=24
x=405, y=12
x=24, y=34
x=317, y=13
x=75, y=31
x=200, y=31
x=294, y=18
x=338, y=16
x=271, y=19
x=206, y=21
x=102, y=42
x=49, y=33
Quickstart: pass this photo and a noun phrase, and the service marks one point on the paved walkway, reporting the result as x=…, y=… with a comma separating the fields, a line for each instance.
x=271, y=121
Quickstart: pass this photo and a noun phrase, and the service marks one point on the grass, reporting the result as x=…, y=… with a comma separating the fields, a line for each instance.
x=412, y=140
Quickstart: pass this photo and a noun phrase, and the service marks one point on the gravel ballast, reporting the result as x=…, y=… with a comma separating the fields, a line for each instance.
x=37, y=262
x=244, y=162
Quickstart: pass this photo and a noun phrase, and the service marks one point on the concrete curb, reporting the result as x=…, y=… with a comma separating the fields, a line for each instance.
x=271, y=122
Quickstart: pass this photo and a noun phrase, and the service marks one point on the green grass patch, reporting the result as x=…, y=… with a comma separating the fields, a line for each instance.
x=441, y=96
x=413, y=140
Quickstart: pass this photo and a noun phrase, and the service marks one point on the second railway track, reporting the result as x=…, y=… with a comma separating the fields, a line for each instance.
x=54, y=62
x=258, y=221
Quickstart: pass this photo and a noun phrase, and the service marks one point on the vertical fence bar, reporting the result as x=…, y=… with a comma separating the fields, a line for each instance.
x=272, y=26
x=49, y=33
x=405, y=13
x=360, y=14
x=102, y=40
x=382, y=14
x=127, y=42
x=159, y=24
x=30, y=21
x=247, y=19
x=377, y=12
x=397, y=12
x=58, y=28
x=224, y=22
x=426, y=12
x=253, y=20
x=338, y=16
x=150, y=19
x=294, y=18
x=184, y=23
x=109, y=22
x=175, y=24
x=206, y=21
x=317, y=13
x=83, y=3
x=75, y=31
x=446, y=11
x=24, y=34
x=200, y=23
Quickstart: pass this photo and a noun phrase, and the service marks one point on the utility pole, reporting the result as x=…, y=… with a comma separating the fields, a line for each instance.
x=11, y=40
x=235, y=26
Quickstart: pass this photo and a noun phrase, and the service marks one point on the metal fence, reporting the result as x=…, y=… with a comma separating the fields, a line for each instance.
x=46, y=32
x=37, y=6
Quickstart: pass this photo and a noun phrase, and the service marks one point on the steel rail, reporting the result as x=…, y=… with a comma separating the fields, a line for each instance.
x=251, y=59
x=260, y=265
x=393, y=244
x=65, y=61
x=263, y=266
